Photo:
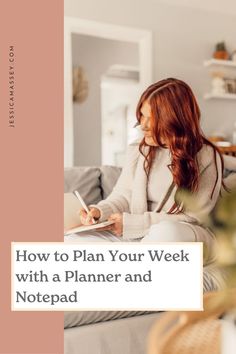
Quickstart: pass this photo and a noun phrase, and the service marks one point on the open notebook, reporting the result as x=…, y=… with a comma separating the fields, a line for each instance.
x=72, y=222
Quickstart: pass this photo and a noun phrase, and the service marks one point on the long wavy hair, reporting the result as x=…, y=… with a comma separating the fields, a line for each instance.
x=175, y=124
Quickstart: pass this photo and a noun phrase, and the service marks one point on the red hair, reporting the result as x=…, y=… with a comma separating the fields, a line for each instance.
x=175, y=120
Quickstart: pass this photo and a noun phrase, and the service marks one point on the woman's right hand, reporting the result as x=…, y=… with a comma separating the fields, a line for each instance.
x=89, y=218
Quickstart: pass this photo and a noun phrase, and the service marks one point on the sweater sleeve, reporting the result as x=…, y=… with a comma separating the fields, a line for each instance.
x=119, y=199
x=137, y=226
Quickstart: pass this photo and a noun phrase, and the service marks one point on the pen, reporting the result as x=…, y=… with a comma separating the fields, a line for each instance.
x=83, y=204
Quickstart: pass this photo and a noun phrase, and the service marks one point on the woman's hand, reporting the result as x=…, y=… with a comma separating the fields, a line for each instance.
x=88, y=218
x=117, y=227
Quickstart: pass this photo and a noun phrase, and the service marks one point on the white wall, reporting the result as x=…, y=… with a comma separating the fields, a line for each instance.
x=183, y=38
x=95, y=55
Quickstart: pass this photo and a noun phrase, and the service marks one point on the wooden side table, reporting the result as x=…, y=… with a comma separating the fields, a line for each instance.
x=228, y=150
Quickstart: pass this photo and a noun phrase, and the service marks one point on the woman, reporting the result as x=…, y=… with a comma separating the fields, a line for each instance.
x=173, y=155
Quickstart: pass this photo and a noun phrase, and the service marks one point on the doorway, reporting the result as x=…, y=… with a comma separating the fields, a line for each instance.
x=119, y=76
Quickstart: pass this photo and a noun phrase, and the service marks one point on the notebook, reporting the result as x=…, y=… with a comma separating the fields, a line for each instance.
x=72, y=223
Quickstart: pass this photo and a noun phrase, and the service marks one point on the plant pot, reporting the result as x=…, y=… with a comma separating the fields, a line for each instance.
x=221, y=54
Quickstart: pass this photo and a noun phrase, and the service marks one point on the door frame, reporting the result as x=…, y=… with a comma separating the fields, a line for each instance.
x=107, y=31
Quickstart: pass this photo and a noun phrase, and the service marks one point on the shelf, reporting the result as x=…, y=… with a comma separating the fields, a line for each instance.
x=223, y=64
x=218, y=62
x=228, y=96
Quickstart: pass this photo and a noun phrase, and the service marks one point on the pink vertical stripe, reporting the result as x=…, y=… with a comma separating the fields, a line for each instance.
x=31, y=155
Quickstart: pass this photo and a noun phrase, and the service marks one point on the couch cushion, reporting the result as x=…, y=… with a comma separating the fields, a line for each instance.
x=229, y=163
x=230, y=182
x=109, y=177
x=229, y=173
x=79, y=318
x=86, y=180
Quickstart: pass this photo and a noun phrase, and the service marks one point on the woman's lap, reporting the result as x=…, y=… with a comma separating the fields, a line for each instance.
x=170, y=231
x=164, y=231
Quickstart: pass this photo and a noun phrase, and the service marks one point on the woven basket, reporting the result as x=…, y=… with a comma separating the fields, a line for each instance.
x=196, y=332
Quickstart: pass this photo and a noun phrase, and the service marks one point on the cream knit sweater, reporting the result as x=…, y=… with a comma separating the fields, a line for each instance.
x=131, y=191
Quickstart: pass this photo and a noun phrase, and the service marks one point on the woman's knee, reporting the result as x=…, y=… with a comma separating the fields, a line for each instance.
x=164, y=231
x=170, y=231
